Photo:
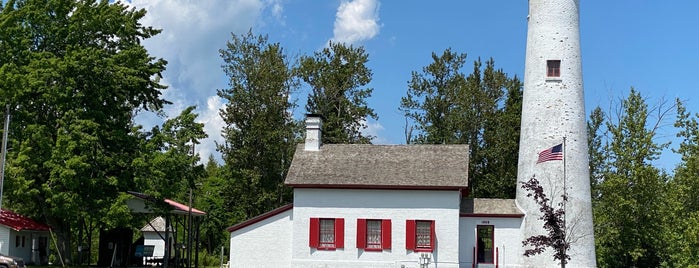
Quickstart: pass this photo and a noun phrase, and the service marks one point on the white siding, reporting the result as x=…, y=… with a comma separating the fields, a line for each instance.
x=24, y=250
x=507, y=239
x=266, y=243
x=397, y=205
x=153, y=239
x=5, y=240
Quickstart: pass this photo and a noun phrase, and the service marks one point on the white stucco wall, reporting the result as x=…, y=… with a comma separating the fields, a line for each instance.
x=266, y=243
x=397, y=205
x=507, y=239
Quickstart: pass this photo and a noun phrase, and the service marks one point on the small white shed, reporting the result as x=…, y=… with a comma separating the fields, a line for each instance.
x=23, y=237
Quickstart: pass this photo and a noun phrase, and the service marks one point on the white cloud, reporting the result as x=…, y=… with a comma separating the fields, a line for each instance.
x=277, y=10
x=372, y=129
x=356, y=21
x=213, y=123
x=193, y=31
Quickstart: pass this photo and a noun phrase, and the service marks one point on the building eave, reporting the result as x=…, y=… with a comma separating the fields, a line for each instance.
x=378, y=187
x=259, y=218
x=483, y=215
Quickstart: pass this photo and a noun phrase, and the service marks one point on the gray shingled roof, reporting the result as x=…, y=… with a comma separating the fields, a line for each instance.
x=487, y=206
x=381, y=166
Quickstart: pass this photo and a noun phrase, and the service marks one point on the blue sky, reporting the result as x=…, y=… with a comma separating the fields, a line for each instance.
x=652, y=46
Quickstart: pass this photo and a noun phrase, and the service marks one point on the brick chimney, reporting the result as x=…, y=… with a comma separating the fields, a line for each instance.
x=313, y=135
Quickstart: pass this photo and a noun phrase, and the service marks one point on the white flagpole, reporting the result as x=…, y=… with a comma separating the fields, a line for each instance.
x=565, y=191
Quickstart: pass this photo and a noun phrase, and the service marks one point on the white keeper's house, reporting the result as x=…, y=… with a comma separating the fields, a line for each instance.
x=403, y=206
x=395, y=206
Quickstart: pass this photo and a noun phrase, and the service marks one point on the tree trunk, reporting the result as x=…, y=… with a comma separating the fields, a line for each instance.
x=63, y=240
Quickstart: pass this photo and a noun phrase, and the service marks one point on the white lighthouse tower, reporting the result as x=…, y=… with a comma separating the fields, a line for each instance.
x=553, y=110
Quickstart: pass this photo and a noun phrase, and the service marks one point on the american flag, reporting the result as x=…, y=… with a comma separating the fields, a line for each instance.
x=553, y=153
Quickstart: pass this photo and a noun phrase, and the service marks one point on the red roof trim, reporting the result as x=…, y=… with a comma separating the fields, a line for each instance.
x=183, y=207
x=260, y=218
x=173, y=204
x=20, y=223
x=379, y=187
x=484, y=215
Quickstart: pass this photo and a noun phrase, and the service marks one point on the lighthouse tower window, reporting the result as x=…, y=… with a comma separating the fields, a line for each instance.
x=553, y=68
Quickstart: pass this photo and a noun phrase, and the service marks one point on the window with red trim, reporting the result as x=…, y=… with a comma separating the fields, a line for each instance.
x=419, y=235
x=327, y=233
x=553, y=68
x=373, y=235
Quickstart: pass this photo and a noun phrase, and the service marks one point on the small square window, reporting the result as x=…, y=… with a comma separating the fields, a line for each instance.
x=553, y=68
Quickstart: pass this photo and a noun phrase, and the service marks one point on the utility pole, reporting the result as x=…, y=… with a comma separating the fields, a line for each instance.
x=4, y=152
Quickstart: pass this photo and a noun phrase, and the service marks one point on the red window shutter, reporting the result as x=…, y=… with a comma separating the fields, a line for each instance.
x=314, y=233
x=361, y=233
x=432, y=234
x=386, y=234
x=340, y=233
x=410, y=234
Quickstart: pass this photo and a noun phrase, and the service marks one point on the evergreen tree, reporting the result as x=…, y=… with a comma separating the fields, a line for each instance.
x=434, y=101
x=259, y=132
x=497, y=167
x=73, y=72
x=213, y=226
x=337, y=75
x=481, y=110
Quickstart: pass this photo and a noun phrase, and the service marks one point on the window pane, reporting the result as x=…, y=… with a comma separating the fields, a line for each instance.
x=553, y=68
x=422, y=234
x=373, y=234
x=327, y=233
x=485, y=243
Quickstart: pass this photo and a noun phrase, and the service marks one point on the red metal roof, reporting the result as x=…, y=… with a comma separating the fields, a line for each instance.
x=20, y=223
x=177, y=208
x=183, y=208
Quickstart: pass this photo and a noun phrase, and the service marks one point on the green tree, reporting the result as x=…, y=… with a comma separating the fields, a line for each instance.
x=337, y=75
x=497, y=159
x=434, y=101
x=73, y=72
x=259, y=133
x=209, y=198
x=481, y=110
x=682, y=206
x=627, y=211
x=168, y=166
x=597, y=155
